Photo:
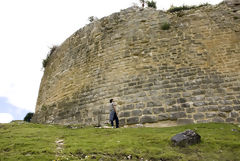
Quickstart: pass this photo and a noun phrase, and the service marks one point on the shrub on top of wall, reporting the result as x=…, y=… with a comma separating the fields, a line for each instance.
x=45, y=61
x=28, y=117
x=182, y=8
x=151, y=4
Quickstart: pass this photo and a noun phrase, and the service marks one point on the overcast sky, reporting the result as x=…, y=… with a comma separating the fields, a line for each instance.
x=28, y=28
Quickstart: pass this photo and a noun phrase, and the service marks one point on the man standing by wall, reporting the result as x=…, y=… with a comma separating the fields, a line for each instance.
x=113, y=113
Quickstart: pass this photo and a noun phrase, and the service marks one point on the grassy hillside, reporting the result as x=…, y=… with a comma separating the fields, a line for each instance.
x=47, y=142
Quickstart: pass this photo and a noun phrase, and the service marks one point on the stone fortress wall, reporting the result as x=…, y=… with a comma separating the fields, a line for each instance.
x=187, y=74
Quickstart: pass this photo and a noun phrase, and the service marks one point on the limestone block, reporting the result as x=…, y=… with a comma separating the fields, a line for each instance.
x=162, y=117
x=185, y=121
x=218, y=120
x=124, y=114
x=133, y=120
x=198, y=116
x=176, y=115
x=157, y=110
x=234, y=114
x=226, y=109
x=136, y=113
x=148, y=119
x=140, y=105
x=230, y=120
x=128, y=107
x=147, y=111
x=212, y=108
x=236, y=108
x=211, y=114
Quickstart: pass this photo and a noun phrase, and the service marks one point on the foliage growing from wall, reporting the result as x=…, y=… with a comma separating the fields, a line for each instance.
x=165, y=26
x=235, y=17
x=45, y=61
x=184, y=7
x=28, y=117
x=151, y=4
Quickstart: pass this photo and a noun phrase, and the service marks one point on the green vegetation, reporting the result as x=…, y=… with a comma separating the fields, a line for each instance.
x=28, y=117
x=235, y=17
x=33, y=142
x=165, y=26
x=142, y=2
x=184, y=7
x=151, y=4
x=45, y=61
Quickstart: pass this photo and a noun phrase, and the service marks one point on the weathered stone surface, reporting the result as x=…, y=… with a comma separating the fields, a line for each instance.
x=203, y=121
x=234, y=114
x=122, y=121
x=162, y=117
x=199, y=104
x=202, y=109
x=212, y=108
x=133, y=120
x=176, y=115
x=148, y=119
x=182, y=100
x=238, y=119
x=158, y=110
x=174, y=109
x=226, y=109
x=236, y=108
x=185, y=121
x=166, y=74
x=233, y=3
x=222, y=114
x=218, y=120
x=211, y=115
x=128, y=107
x=147, y=111
x=198, y=116
x=140, y=105
x=136, y=113
x=185, y=105
x=190, y=110
x=124, y=114
x=186, y=138
x=230, y=120
x=152, y=104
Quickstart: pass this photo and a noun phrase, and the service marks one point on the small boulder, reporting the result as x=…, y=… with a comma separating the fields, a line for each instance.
x=188, y=137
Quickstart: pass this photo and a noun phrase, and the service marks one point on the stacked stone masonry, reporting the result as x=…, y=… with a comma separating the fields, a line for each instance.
x=187, y=74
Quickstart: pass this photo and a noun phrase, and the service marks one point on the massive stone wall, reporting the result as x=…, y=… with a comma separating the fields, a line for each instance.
x=187, y=74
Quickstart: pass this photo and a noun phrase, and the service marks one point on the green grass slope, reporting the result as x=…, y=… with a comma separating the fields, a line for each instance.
x=43, y=142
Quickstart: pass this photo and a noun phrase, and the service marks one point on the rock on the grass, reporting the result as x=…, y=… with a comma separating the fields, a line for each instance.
x=188, y=137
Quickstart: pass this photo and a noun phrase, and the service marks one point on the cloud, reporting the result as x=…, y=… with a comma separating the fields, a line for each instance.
x=5, y=117
x=16, y=112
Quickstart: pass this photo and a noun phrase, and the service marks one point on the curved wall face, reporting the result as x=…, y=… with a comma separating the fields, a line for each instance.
x=187, y=74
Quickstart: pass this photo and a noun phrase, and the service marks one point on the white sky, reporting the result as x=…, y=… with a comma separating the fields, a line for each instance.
x=5, y=117
x=29, y=27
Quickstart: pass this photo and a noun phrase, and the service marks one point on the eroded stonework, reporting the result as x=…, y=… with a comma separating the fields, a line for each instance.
x=187, y=74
